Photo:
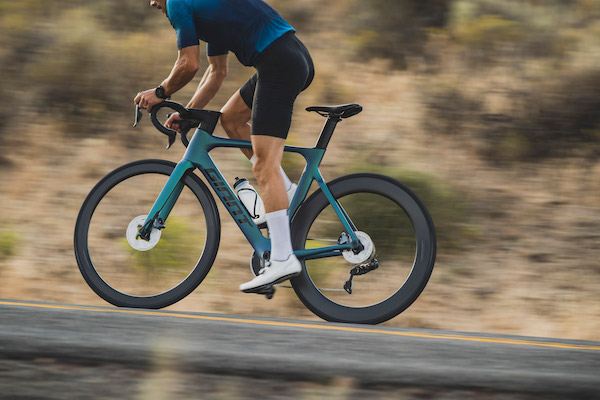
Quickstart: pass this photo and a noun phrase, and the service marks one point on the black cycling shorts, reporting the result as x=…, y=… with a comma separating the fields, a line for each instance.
x=284, y=69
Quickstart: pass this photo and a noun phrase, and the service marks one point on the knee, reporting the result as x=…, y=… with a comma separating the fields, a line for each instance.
x=263, y=168
x=228, y=122
x=258, y=167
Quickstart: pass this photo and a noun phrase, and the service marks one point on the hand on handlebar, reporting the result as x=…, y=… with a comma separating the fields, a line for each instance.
x=176, y=123
x=173, y=122
x=147, y=99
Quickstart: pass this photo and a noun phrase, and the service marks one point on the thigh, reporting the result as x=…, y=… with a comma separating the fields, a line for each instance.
x=247, y=90
x=236, y=111
x=284, y=71
x=276, y=92
x=272, y=111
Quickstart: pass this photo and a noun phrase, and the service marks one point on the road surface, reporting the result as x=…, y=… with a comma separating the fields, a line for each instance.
x=57, y=350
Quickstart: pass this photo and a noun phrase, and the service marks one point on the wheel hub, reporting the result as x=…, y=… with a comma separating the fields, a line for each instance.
x=132, y=235
x=366, y=254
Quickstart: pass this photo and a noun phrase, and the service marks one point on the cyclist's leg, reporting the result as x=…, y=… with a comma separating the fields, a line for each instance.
x=285, y=70
x=283, y=264
x=268, y=151
x=236, y=114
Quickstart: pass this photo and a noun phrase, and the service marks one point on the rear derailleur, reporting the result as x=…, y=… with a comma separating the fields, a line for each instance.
x=360, y=270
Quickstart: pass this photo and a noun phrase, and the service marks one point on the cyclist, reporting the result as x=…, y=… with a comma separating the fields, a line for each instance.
x=261, y=38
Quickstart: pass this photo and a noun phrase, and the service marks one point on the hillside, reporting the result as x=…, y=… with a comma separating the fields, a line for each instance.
x=488, y=111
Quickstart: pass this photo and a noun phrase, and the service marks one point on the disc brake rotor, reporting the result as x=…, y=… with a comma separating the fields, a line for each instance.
x=132, y=235
x=367, y=254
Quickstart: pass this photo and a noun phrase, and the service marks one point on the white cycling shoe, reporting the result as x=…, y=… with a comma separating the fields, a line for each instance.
x=274, y=272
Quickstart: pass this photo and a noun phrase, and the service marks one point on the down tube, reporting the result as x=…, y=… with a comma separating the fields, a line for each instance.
x=231, y=202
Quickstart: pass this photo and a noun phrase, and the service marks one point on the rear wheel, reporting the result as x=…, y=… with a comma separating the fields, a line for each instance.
x=131, y=272
x=399, y=243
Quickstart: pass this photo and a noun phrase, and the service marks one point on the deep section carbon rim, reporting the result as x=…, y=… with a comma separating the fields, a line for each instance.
x=131, y=272
x=403, y=239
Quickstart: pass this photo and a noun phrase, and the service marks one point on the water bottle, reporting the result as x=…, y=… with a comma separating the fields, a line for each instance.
x=250, y=199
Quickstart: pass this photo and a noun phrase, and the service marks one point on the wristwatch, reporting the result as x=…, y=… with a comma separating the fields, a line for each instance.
x=160, y=93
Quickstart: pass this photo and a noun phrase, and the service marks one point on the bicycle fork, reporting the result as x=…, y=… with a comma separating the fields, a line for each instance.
x=166, y=200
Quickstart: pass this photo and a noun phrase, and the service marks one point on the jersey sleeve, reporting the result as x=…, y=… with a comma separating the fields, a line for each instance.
x=182, y=20
x=215, y=50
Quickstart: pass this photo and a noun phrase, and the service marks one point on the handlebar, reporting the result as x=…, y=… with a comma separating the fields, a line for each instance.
x=191, y=118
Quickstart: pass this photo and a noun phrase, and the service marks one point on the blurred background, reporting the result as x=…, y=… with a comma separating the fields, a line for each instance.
x=487, y=110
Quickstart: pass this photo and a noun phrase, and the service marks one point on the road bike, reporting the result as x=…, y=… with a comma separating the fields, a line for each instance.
x=148, y=233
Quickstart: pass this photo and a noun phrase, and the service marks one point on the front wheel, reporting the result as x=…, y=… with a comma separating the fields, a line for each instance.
x=397, y=234
x=131, y=272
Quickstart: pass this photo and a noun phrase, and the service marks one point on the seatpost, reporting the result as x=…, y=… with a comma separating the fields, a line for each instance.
x=327, y=131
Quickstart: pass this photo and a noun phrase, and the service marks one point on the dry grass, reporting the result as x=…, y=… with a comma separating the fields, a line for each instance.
x=530, y=269
x=530, y=264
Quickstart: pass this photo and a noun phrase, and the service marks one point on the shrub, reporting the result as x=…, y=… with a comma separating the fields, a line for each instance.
x=493, y=30
x=447, y=207
x=92, y=75
x=488, y=29
x=449, y=109
x=124, y=15
x=556, y=117
x=395, y=29
x=298, y=14
x=8, y=244
x=63, y=60
x=557, y=120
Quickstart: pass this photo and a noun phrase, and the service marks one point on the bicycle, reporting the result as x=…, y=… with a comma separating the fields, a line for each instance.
x=145, y=243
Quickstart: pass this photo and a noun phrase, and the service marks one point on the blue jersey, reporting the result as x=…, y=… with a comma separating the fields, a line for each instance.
x=245, y=27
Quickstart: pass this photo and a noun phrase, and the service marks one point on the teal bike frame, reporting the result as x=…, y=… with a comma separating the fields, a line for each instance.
x=197, y=156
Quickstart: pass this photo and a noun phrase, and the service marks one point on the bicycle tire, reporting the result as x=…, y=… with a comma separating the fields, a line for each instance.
x=147, y=170
x=396, y=195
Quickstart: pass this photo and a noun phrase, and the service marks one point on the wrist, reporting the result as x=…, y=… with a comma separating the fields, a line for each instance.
x=161, y=93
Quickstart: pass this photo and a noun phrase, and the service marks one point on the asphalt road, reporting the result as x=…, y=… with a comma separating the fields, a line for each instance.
x=48, y=350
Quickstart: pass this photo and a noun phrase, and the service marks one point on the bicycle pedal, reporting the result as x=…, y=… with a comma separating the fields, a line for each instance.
x=268, y=292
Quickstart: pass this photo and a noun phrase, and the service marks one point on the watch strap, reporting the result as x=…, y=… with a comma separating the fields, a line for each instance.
x=160, y=93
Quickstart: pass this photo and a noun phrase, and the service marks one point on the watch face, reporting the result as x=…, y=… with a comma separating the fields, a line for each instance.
x=160, y=92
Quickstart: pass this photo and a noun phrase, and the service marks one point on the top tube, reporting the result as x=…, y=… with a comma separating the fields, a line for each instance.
x=207, y=120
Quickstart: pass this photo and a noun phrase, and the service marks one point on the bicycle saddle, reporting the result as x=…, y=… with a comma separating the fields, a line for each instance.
x=341, y=111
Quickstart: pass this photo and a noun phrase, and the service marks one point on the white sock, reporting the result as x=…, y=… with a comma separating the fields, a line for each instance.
x=278, y=223
x=286, y=180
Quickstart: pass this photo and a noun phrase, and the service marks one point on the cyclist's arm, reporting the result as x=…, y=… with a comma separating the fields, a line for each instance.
x=183, y=72
x=211, y=81
x=186, y=66
x=209, y=86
